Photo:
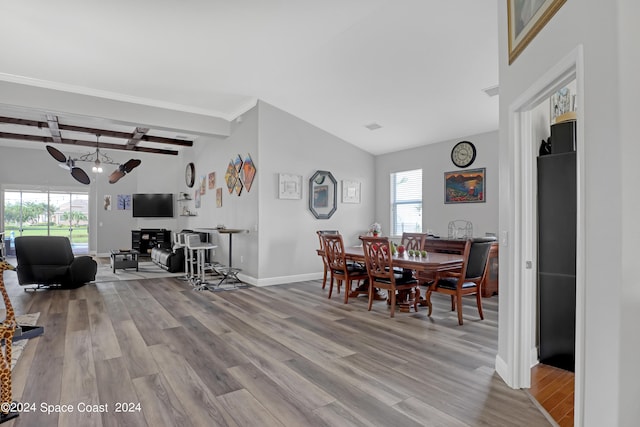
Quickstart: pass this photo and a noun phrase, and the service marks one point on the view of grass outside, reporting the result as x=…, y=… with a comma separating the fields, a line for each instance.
x=34, y=213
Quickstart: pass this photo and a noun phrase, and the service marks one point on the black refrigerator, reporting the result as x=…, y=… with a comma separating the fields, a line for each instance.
x=557, y=211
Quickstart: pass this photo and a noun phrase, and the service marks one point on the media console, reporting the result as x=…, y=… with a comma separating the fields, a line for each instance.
x=145, y=239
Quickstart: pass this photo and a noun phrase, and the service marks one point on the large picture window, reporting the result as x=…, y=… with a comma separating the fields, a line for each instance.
x=47, y=213
x=406, y=202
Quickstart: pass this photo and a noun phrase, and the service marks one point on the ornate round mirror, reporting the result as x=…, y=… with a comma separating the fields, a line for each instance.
x=322, y=194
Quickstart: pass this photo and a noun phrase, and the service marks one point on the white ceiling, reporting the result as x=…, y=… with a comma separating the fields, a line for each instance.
x=415, y=67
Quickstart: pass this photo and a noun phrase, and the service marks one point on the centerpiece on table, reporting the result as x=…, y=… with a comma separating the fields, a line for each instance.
x=375, y=229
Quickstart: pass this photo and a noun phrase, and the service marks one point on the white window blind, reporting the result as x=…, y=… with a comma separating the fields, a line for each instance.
x=406, y=202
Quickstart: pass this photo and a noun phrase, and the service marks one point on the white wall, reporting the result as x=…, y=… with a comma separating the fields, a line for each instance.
x=594, y=25
x=288, y=237
x=435, y=160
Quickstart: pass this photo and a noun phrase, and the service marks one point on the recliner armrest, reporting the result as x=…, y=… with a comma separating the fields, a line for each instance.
x=83, y=269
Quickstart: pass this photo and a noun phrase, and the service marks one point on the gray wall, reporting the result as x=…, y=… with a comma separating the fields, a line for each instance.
x=435, y=160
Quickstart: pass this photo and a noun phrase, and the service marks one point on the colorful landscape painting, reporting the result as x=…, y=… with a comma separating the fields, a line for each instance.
x=466, y=186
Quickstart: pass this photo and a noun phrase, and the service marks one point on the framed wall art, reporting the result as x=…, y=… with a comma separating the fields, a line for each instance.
x=525, y=19
x=322, y=194
x=289, y=186
x=467, y=186
x=350, y=191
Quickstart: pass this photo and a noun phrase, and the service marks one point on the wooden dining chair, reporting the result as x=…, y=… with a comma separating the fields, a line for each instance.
x=413, y=241
x=325, y=262
x=341, y=270
x=469, y=279
x=379, y=263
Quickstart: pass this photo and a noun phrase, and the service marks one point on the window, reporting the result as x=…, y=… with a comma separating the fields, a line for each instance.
x=406, y=202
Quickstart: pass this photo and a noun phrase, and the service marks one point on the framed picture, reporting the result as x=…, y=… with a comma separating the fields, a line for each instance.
x=323, y=189
x=526, y=18
x=350, y=191
x=467, y=186
x=289, y=186
x=212, y=180
x=219, y=197
x=248, y=172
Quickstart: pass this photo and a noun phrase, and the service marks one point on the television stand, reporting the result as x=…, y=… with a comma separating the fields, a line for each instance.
x=145, y=239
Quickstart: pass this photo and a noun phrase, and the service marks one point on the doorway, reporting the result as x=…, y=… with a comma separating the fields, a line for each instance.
x=520, y=308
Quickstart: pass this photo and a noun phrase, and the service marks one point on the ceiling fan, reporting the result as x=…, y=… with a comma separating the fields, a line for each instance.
x=97, y=159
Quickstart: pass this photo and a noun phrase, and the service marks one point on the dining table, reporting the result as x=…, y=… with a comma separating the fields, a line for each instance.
x=434, y=263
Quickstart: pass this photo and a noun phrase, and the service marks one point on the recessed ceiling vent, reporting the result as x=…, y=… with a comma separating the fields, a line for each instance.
x=373, y=126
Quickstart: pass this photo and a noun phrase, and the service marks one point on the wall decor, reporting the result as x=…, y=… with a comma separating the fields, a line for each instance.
x=196, y=197
x=525, y=19
x=212, y=180
x=561, y=103
x=124, y=202
x=107, y=202
x=466, y=186
x=230, y=177
x=350, y=191
x=237, y=162
x=203, y=184
x=248, y=172
x=322, y=194
x=238, y=187
x=289, y=186
x=190, y=174
x=219, y=197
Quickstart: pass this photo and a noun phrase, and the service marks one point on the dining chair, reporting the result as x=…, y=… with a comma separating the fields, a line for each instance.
x=379, y=263
x=413, y=241
x=469, y=279
x=325, y=263
x=340, y=269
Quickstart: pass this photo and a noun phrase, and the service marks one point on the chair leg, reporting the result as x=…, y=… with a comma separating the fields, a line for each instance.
x=370, y=294
x=453, y=303
x=393, y=302
x=427, y=298
x=330, y=287
x=347, y=289
x=324, y=277
x=479, y=302
x=416, y=299
x=459, y=303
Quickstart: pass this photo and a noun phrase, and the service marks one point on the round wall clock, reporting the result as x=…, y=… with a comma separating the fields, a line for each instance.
x=463, y=154
x=190, y=175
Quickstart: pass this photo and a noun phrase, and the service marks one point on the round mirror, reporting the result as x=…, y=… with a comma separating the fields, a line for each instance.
x=322, y=194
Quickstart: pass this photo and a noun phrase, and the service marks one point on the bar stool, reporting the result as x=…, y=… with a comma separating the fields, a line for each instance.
x=179, y=244
x=197, y=258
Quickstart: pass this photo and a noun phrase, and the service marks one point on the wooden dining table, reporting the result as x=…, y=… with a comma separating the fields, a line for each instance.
x=434, y=263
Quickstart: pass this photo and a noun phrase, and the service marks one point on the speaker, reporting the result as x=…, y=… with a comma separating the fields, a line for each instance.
x=563, y=137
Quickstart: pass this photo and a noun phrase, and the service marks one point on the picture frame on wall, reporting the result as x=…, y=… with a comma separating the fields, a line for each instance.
x=350, y=191
x=525, y=20
x=467, y=186
x=289, y=186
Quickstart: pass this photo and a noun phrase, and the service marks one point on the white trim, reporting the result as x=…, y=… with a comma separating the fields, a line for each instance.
x=82, y=90
x=520, y=308
x=285, y=279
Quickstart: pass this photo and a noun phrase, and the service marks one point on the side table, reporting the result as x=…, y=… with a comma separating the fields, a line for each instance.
x=124, y=259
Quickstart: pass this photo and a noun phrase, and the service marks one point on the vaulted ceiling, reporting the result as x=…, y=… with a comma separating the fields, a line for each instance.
x=413, y=70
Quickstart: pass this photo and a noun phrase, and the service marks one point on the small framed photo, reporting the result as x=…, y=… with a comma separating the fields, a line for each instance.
x=289, y=186
x=350, y=191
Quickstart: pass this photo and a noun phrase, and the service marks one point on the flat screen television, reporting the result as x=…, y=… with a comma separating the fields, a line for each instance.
x=153, y=205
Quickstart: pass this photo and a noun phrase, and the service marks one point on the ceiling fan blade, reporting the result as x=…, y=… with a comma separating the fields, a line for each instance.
x=56, y=154
x=80, y=175
x=115, y=176
x=130, y=164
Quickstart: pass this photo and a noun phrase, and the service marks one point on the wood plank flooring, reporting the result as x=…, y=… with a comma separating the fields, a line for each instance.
x=274, y=356
x=553, y=388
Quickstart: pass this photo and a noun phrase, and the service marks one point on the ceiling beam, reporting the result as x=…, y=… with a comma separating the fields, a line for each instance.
x=53, y=128
x=136, y=137
x=92, y=144
x=95, y=131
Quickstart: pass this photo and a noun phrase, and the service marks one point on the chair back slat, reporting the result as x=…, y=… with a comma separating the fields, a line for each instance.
x=378, y=257
x=413, y=241
x=334, y=249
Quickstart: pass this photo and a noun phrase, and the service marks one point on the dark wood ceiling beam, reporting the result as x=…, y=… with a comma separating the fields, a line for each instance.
x=101, y=132
x=92, y=144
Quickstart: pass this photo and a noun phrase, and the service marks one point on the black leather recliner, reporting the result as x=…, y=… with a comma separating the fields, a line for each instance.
x=49, y=260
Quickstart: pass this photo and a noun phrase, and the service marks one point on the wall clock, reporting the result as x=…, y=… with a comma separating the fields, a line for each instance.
x=190, y=175
x=463, y=154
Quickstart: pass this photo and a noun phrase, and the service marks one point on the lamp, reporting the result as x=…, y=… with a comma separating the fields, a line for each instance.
x=97, y=158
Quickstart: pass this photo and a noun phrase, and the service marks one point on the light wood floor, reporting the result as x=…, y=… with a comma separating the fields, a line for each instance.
x=274, y=356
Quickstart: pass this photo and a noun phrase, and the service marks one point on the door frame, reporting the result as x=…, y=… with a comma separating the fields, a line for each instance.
x=520, y=307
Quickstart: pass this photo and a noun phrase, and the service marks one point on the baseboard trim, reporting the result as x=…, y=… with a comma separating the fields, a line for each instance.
x=503, y=370
x=270, y=281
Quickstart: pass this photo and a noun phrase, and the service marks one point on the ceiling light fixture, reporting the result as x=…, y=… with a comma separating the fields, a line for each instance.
x=492, y=90
x=97, y=158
